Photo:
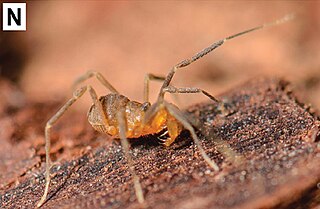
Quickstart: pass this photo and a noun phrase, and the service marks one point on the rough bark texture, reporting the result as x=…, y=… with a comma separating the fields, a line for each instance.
x=276, y=137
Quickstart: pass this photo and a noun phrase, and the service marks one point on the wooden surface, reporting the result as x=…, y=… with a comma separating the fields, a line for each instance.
x=276, y=136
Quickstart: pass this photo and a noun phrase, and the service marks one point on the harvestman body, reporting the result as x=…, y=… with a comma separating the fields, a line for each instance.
x=116, y=115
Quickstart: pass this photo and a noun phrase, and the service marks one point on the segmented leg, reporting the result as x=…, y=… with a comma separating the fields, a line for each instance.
x=175, y=112
x=147, y=79
x=212, y=47
x=172, y=89
x=100, y=78
x=223, y=147
x=125, y=145
x=76, y=95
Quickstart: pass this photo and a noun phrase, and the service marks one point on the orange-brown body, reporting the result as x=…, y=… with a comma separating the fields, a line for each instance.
x=135, y=115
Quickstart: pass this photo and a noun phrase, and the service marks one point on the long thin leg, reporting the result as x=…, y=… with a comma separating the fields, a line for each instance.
x=172, y=89
x=223, y=147
x=76, y=95
x=98, y=104
x=148, y=77
x=125, y=145
x=100, y=78
x=212, y=47
x=181, y=118
x=151, y=77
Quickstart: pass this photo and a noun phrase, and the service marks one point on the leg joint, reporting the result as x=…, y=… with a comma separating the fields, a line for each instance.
x=79, y=92
x=48, y=125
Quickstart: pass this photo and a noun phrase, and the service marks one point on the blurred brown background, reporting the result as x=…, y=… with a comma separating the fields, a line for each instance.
x=125, y=40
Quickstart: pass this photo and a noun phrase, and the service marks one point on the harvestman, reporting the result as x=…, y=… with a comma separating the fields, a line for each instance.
x=116, y=115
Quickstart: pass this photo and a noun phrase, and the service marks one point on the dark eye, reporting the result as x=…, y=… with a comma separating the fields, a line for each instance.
x=145, y=106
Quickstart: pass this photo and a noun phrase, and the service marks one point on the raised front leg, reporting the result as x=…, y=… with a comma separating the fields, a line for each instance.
x=212, y=47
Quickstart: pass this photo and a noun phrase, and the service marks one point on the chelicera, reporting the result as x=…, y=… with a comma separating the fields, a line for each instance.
x=116, y=115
